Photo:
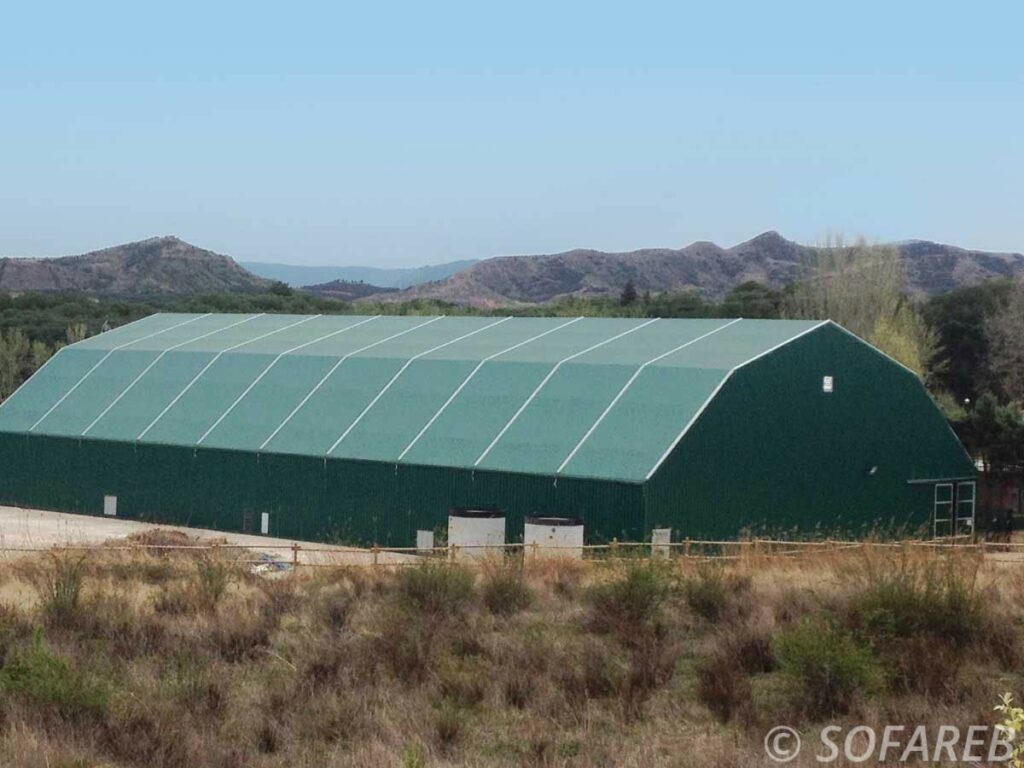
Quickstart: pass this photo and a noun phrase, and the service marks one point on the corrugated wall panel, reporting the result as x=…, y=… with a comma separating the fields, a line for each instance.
x=357, y=502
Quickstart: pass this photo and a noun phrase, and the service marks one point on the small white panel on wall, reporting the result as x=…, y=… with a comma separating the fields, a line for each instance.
x=828, y=384
x=425, y=540
x=265, y=523
x=110, y=506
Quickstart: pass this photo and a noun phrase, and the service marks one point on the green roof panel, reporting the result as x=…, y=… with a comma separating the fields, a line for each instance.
x=588, y=397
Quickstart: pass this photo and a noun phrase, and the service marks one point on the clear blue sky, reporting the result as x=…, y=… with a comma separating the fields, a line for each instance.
x=401, y=134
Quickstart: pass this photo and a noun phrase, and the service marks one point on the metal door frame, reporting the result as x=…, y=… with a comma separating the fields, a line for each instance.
x=950, y=510
x=961, y=521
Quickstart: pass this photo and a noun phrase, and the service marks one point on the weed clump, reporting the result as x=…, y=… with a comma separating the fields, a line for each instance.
x=633, y=601
x=61, y=591
x=710, y=592
x=212, y=579
x=505, y=591
x=435, y=589
x=723, y=687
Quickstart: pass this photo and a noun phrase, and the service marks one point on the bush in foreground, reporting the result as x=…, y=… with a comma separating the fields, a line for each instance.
x=827, y=668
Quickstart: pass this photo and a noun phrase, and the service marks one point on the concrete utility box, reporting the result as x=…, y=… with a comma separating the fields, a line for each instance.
x=476, y=532
x=661, y=538
x=554, y=537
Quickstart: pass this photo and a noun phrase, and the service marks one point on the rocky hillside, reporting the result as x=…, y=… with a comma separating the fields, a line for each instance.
x=705, y=267
x=157, y=266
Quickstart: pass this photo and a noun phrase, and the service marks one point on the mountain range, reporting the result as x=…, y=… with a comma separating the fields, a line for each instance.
x=703, y=267
x=170, y=266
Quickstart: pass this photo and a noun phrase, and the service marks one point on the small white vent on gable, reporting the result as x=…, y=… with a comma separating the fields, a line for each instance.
x=827, y=384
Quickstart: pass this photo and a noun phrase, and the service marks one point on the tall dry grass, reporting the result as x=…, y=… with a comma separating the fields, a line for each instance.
x=177, y=660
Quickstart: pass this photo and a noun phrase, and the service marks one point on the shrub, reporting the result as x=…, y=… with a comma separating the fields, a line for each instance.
x=61, y=590
x=723, y=687
x=633, y=601
x=914, y=598
x=519, y=690
x=921, y=617
x=175, y=600
x=651, y=664
x=749, y=644
x=212, y=582
x=826, y=667
x=44, y=680
x=505, y=591
x=449, y=724
x=464, y=685
x=707, y=593
x=435, y=589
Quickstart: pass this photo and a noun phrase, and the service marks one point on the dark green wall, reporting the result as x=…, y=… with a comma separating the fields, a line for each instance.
x=339, y=500
x=774, y=452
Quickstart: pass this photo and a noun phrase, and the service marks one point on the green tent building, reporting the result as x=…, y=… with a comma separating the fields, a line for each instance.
x=367, y=429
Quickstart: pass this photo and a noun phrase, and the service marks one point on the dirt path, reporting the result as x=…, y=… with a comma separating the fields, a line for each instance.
x=38, y=528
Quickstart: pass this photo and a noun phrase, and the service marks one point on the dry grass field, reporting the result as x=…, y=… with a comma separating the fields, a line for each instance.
x=187, y=659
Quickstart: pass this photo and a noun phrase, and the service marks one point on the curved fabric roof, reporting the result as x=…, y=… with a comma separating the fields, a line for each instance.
x=592, y=397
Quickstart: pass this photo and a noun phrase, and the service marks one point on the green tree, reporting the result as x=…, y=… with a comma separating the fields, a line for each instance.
x=960, y=320
x=995, y=433
x=629, y=294
x=753, y=300
x=1005, y=333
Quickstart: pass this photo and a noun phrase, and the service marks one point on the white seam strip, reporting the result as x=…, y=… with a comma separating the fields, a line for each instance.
x=335, y=367
x=717, y=389
x=149, y=367
x=629, y=383
x=401, y=370
x=209, y=365
x=473, y=373
x=547, y=378
x=274, y=362
x=104, y=358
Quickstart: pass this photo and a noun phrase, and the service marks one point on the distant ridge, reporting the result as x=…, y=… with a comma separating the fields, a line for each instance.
x=405, y=277
x=704, y=267
x=157, y=266
x=345, y=290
